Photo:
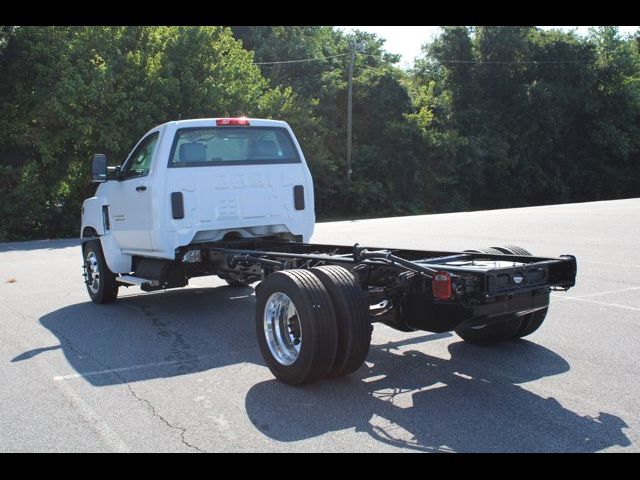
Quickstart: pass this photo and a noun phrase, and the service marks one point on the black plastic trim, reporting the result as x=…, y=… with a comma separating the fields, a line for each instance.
x=177, y=205
x=298, y=197
x=105, y=217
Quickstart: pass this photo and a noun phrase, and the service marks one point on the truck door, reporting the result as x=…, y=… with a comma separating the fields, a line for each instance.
x=129, y=202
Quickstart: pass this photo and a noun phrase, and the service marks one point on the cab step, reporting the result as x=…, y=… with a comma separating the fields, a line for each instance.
x=131, y=280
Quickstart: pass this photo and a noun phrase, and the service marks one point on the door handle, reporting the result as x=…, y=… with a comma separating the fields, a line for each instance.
x=141, y=188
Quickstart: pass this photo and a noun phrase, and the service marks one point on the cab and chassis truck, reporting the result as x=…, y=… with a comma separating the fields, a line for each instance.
x=233, y=197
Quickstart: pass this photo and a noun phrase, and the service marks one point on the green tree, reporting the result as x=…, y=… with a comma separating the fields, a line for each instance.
x=525, y=116
x=77, y=90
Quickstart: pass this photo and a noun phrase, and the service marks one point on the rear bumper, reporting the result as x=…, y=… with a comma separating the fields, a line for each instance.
x=420, y=312
x=522, y=303
x=499, y=310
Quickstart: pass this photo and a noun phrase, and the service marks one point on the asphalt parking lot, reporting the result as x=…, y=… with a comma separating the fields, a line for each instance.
x=181, y=370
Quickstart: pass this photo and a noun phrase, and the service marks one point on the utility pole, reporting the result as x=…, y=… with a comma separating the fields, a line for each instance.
x=352, y=46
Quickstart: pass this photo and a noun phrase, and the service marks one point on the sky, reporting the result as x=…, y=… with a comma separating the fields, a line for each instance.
x=407, y=40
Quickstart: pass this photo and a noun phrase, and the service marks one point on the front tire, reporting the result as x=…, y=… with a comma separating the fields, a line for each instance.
x=296, y=326
x=100, y=281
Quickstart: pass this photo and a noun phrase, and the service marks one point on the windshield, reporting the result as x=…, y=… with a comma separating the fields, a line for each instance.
x=219, y=146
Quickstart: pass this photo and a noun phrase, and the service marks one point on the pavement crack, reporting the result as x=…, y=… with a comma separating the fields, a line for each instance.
x=183, y=430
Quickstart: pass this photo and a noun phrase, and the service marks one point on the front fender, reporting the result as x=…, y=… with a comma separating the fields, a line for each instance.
x=92, y=215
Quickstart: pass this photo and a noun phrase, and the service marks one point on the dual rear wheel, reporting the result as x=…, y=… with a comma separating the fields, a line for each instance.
x=509, y=327
x=312, y=324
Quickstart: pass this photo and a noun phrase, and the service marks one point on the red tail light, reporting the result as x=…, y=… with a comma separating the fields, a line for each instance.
x=441, y=285
x=221, y=122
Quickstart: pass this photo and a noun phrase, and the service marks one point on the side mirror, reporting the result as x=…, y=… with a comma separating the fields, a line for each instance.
x=99, y=168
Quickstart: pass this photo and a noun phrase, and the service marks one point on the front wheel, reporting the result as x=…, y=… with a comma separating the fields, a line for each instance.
x=101, y=282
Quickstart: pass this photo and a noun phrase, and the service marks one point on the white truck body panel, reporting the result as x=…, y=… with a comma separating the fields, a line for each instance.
x=251, y=200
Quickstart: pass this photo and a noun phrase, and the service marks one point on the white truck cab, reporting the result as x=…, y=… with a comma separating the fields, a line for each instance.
x=200, y=180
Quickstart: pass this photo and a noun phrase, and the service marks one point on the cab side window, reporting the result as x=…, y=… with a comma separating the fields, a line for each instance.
x=139, y=162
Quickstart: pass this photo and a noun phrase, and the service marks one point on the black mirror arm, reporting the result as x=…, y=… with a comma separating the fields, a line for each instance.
x=114, y=172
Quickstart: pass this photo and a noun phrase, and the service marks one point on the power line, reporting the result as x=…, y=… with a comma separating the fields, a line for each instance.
x=533, y=62
x=303, y=60
x=470, y=62
x=491, y=62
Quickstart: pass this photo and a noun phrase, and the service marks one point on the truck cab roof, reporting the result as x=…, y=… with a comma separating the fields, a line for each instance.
x=208, y=122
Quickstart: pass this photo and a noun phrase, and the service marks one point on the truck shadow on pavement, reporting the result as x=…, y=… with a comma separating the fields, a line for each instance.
x=155, y=335
x=469, y=403
x=402, y=397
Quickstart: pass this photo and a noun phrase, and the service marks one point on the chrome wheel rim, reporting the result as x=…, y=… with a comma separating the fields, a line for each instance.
x=92, y=272
x=282, y=328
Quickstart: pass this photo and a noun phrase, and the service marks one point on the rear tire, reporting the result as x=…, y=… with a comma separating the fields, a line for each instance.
x=352, y=315
x=491, y=251
x=100, y=281
x=491, y=333
x=296, y=326
x=513, y=250
x=530, y=322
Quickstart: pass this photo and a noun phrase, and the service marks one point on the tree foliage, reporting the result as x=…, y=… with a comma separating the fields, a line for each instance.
x=68, y=92
x=535, y=117
x=489, y=117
